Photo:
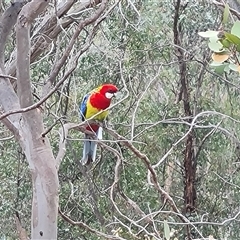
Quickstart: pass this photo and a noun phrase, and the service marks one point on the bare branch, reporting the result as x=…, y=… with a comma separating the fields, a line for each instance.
x=51, y=27
x=89, y=229
x=147, y=162
x=80, y=27
x=8, y=76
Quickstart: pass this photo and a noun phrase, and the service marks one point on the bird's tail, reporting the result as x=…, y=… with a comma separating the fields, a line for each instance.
x=90, y=147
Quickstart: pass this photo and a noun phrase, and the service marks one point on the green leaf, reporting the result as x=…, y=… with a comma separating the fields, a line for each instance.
x=226, y=13
x=215, y=46
x=215, y=64
x=236, y=29
x=234, y=67
x=227, y=69
x=232, y=38
x=225, y=42
x=219, y=68
x=166, y=230
x=208, y=34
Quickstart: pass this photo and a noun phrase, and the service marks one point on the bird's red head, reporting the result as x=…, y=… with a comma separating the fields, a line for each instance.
x=101, y=96
x=108, y=90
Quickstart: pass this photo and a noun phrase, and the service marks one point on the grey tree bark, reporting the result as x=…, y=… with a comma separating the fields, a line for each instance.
x=28, y=127
x=36, y=148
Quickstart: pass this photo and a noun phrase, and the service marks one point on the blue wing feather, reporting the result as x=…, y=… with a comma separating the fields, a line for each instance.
x=89, y=147
x=83, y=107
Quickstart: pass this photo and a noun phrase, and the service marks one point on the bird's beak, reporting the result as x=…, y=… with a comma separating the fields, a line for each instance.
x=115, y=94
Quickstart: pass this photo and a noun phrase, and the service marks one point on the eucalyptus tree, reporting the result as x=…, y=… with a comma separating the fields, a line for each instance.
x=168, y=166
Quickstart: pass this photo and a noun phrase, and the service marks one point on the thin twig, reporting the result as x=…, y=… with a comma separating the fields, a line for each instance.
x=87, y=228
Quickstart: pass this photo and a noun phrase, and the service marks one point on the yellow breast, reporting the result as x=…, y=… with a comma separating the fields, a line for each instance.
x=91, y=111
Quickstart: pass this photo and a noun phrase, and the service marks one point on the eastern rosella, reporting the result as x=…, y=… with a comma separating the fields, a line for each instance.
x=94, y=102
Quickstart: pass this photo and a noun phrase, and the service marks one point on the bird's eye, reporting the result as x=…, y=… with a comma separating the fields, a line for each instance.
x=109, y=95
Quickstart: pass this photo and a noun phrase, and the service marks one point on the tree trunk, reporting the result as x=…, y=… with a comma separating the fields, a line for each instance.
x=190, y=196
x=28, y=127
x=36, y=148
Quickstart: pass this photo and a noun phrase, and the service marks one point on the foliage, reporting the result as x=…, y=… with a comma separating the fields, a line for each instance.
x=134, y=49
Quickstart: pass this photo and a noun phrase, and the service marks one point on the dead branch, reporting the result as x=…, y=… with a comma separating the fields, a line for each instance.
x=136, y=207
x=49, y=129
x=133, y=204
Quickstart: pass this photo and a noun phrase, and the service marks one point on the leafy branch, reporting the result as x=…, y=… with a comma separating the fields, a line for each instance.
x=225, y=47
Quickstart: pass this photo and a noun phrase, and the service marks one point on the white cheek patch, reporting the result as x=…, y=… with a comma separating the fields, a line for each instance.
x=109, y=95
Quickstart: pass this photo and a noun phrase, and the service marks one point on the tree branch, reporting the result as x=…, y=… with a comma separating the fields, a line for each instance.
x=222, y=5
x=80, y=27
x=29, y=12
x=7, y=21
x=87, y=228
x=51, y=27
x=147, y=163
